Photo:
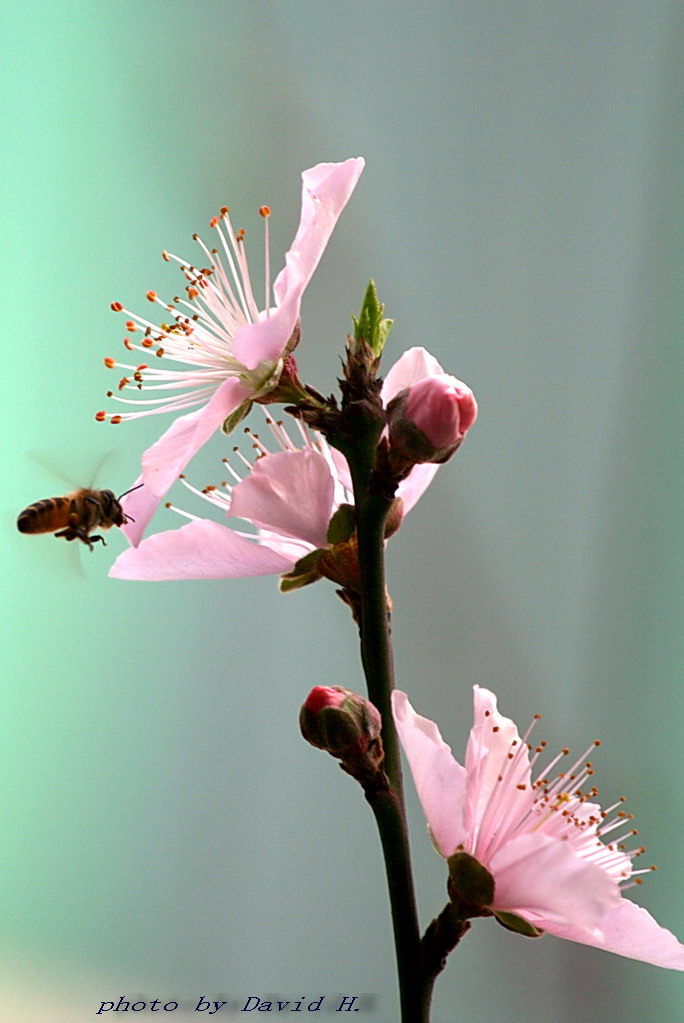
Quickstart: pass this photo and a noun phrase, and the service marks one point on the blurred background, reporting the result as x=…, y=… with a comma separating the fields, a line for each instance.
x=166, y=832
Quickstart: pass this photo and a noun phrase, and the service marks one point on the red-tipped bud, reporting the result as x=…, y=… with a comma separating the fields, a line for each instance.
x=339, y=721
x=428, y=421
x=348, y=727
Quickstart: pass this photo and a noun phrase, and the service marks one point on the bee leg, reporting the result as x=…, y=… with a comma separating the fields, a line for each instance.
x=81, y=535
x=76, y=534
x=68, y=534
x=93, y=539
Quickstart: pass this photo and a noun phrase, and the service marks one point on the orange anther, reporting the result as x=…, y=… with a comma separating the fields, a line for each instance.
x=131, y=326
x=127, y=342
x=115, y=419
x=100, y=416
x=110, y=363
x=152, y=296
x=166, y=256
x=265, y=211
x=117, y=307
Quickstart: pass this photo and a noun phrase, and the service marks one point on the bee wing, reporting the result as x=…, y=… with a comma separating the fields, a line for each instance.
x=51, y=470
x=51, y=463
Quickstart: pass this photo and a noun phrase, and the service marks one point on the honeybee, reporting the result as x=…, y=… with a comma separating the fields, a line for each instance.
x=76, y=515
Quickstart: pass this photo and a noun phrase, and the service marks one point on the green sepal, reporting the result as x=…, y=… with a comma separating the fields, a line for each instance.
x=306, y=571
x=469, y=882
x=288, y=583
x=516, y=923
x=236, y=417
x=342, y=525
x=370, y=325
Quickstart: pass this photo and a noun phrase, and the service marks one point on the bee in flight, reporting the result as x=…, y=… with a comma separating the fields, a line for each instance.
x=76, y=515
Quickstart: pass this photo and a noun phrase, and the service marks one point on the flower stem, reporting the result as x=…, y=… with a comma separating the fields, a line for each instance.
x=387, y=805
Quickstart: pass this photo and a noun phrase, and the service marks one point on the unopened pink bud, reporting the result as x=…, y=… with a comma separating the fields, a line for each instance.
x=339, y=721
x=428, y=421
x=324, y=696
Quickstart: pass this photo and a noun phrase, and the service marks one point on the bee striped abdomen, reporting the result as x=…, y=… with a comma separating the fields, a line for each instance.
x=45, y=516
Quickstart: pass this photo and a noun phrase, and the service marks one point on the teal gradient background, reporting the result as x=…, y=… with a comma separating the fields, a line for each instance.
x=166, y=832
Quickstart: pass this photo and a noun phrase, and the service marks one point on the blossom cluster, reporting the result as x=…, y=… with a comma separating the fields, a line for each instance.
x=551, y=858
x=224, y=355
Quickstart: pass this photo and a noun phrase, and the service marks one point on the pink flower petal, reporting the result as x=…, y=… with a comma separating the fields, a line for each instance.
x=543, y=878
x=438, y=777
x=326, y=189
x=139, y=506
x=491, y=739
x=291, y=493
x=163, y=463
x=416, y=483
x=264, y=342
x=166, y=459
x=201, y=550
x=628, y=930
x=342, y=469
x=414, y=365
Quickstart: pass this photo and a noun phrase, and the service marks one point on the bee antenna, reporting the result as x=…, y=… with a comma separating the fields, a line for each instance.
x=130, y=491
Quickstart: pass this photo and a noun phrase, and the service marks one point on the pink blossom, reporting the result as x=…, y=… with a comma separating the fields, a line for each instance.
x=223, y=349
x=429, y=420
x=545, y=842
x=289, y=496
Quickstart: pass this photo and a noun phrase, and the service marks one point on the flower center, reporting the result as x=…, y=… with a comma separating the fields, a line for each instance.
x=561, y=807
x=195, y=346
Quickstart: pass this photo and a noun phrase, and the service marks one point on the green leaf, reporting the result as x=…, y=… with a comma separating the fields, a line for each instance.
x=370, y=326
